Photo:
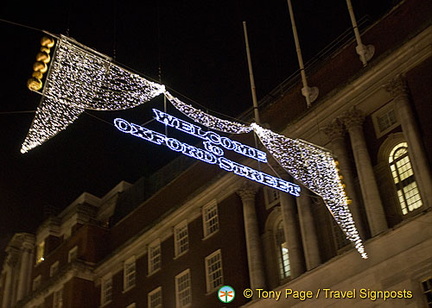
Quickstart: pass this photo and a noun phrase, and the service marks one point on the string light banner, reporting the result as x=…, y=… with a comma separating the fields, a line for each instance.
x=80, y=78
x=317, y=170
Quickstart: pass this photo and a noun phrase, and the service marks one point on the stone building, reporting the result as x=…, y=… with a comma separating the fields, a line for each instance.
x=173, y=239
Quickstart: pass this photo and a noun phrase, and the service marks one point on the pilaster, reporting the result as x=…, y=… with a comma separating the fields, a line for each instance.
x=353, y=120
x=308, y=231
x=253, y=241
x=292, y=234
x=336, y=132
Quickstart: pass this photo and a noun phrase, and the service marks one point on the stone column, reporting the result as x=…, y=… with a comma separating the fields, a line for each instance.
x=416, y=151
x=269, y=253
x=308, y=230
x=353, y=120
x=11, y=264
x=7, y=287
x=253, y=242
x=336, y=132
x=292, y=234
x=25, y=266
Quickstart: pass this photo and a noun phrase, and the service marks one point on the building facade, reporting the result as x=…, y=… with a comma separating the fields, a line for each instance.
x=172, y=240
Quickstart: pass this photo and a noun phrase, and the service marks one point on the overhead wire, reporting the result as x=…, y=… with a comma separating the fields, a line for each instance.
x=20, y=25
x=140, y=73
x=133, y=70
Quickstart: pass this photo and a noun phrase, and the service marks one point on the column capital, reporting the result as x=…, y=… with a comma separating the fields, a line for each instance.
x=335, y=130
x=13, y=256
x=247, y=191
x=28, y=241
x=397, y=87
x=353, y=118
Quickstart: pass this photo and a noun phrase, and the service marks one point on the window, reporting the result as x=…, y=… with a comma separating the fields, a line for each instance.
x=73, y=254
x=427, y=290
x=210, y=219
x=183, y=289
x=106, y=289
x=129, y=274
x=40, y=252
x=214, y=274
x=403, y=177
x=155, y=298
x=181, y=239
x=385, y=120
x=282, y=252
x=54, y=268
x=154, y=257
x=58, y=299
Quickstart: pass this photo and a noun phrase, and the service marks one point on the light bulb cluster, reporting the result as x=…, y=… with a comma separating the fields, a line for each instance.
x=208, y=120
x=316, y=169
x=52, y=116
x=80, y=78
x=88, y=80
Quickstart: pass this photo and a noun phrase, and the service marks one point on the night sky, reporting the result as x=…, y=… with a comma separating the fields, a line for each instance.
x=195, y=47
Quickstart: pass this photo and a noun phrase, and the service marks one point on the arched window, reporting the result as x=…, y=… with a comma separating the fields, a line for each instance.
x=282, y=252
x=403, y=177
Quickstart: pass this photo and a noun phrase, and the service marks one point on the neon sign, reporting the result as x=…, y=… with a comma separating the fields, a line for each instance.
x=213, y=151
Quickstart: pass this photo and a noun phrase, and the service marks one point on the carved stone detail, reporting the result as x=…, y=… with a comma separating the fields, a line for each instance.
x=397, y=87
x=247, y=191
x=353, y=118
x=335, y=130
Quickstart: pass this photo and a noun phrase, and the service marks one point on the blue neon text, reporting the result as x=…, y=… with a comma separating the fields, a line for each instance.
x=211, y=155
x=210, y=136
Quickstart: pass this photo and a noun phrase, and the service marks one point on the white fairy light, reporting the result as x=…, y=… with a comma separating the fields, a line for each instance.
x=49, y=121
x=316, y=169
x=81, y=78
x=88, y=80
x=208, y=120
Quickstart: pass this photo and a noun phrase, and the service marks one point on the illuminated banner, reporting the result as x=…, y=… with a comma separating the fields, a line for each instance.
x=213, y=151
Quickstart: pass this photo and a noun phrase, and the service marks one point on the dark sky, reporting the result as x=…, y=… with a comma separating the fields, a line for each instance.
x=198, y=47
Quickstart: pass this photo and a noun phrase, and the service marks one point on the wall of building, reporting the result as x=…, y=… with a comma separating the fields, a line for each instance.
x=399, y=260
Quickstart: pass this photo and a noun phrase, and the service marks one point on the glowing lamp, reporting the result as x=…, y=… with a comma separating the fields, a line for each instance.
x=38, y=75
x=40, y=67
x=43, y=56
x=47, y=41
x=45, y=49
x=34, y=84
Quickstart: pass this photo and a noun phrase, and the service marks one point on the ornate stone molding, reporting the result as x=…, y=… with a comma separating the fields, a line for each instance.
x=335, y=130
x=397, y=87
x=247, y=191
x=353, y=118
